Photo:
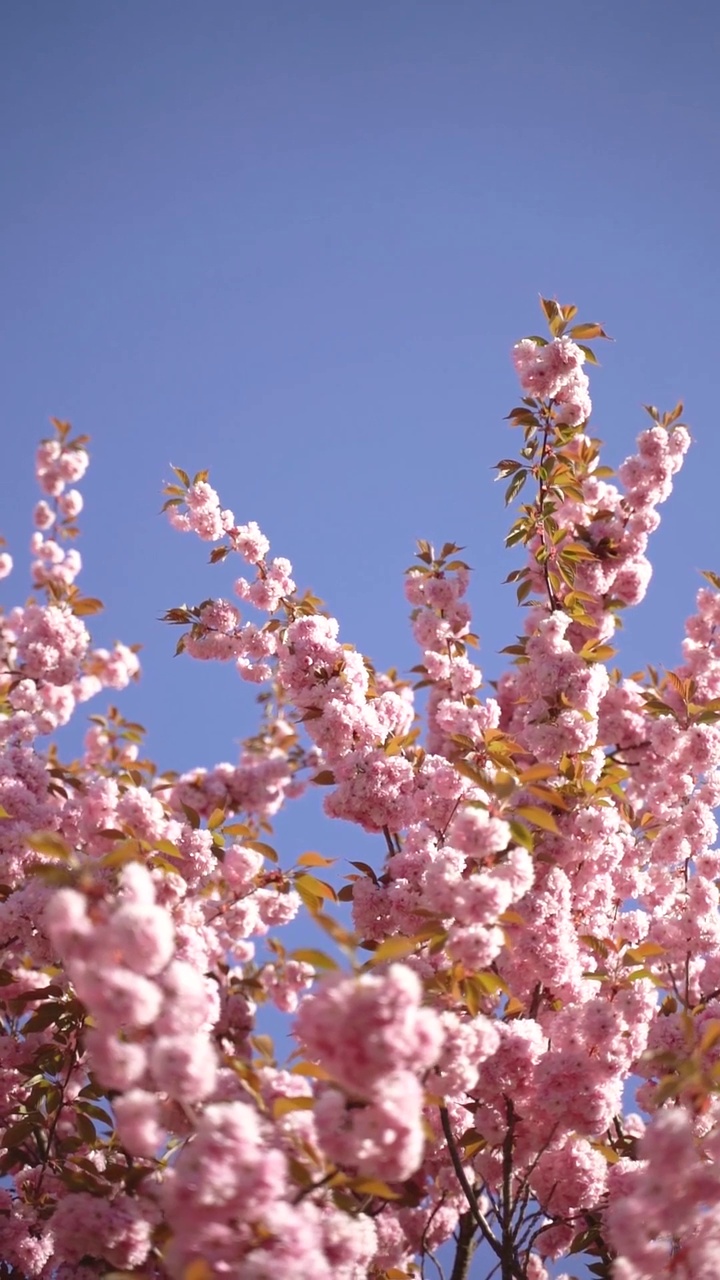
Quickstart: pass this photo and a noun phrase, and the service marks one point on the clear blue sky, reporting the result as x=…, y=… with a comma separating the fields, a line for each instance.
x=293, y=241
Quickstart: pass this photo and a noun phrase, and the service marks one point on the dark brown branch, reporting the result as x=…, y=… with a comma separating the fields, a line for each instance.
x=468, y=1192
x=466, y=1245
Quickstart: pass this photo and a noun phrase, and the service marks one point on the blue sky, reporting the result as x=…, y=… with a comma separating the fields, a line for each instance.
x=294, y=242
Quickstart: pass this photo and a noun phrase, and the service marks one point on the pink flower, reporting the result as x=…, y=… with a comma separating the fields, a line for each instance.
x=381, y=1139
x=252, y=545
x=138, y=1124
x=362, y=1029
x=184, y=1066
x=141, y=937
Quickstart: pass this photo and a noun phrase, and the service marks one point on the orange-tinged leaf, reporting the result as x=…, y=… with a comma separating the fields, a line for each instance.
x=3, y=812
x=311, y=955
x=496, y=738
x=522, y=835
x=644, y=950
x=264, y=1045
x=49, y=843
x=312, y=1070
x=587, y=331
x=312, y=859
x=125, y=1275
x=606, y=1152
x=283, y=1106
x=398, y=947
x=126, y=851
x=577, y=551
x=592, y=359
x=305, y=883
x=539, y=817
x=537, y=773
x=711, y=1035
x=473, y=1147
x=472, y=774
x=191, y=814
x=337, y=932
x=374, y=1187
x=366, y=870
x=511, y=917
x=87, y=606
x=167, y=846
x=638, y=975
x=514, y=1007
x=198, y=1270
x=594, y=652
x=259, y=846
x=490, y=982
x=553, y=797
x=216, y=819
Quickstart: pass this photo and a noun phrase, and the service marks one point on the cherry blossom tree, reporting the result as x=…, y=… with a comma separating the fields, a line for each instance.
x=507, y=1045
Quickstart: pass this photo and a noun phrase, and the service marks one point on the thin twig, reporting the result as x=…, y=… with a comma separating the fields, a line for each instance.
x=468, y=1192
x=55, y=1119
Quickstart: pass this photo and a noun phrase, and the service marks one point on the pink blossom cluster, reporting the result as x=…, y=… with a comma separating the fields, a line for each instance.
x=227, y=1200
x=606, y=534
x=202, y=514
x=151, y=1010
x=59, y=463
x=377, y=1042
x=553, y=371
x=668, y=1226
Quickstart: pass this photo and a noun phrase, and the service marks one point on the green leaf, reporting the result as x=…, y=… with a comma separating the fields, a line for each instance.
x=588, y=353
x=522, y=835
x=44, y=1017
x=515, y=485
x=16, y=1133
x=192, y=815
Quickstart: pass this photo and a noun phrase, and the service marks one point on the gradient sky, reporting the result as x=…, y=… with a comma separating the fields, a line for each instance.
x=293, y=241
